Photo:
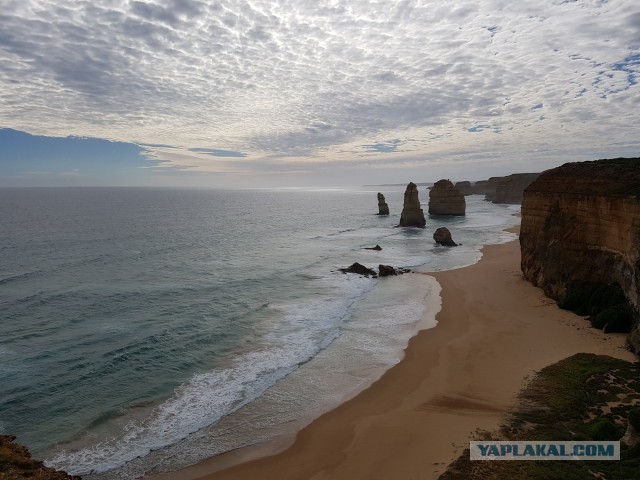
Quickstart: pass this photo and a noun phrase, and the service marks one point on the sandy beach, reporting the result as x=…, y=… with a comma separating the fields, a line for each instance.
x=494, y=331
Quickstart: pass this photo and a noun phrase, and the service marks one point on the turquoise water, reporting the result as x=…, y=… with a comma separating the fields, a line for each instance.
x=145, y=329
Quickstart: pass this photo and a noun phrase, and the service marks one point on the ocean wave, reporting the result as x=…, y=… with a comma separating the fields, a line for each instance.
x=20, y=276
x=202, y=401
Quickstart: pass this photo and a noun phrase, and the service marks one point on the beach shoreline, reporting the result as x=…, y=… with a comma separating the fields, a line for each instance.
x=494, y=331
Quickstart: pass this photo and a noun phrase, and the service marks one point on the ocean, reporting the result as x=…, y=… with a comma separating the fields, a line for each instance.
x=144, y=329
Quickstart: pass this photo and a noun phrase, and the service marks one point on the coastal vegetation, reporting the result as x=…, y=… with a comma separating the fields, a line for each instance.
x=605, y=304
x=581, y=398
x=16, y=463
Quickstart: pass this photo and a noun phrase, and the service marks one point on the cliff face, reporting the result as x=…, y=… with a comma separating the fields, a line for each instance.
x=412, y=215
x=581, y=226
x=383, y=208
x=508, y=189
x=464, y=188
x=479, y=187
x=445, y=199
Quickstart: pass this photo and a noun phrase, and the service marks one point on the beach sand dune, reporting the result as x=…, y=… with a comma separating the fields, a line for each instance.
x=495, y=330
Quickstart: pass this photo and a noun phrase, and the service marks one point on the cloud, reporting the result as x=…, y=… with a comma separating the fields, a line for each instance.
x=241, y=85
x=219, y=153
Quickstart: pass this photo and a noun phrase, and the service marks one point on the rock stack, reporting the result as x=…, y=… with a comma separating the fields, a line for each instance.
x=445, y=199
x=412, y=215
x=383, y=208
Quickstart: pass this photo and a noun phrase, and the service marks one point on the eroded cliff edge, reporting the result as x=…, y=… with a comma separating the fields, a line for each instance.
x=16, y=463
x=581, y=228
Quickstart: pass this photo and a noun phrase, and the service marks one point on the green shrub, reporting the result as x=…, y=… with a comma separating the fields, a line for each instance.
x=603, y=429
x=618, y=318
x=634, y=418
x=606, y=304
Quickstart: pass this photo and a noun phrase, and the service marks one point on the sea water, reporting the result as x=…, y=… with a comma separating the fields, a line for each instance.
x=143, y=330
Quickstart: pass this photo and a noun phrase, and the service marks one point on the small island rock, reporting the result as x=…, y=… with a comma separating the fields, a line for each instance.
x=388, y=270
x=359, y=269
x=442, y=236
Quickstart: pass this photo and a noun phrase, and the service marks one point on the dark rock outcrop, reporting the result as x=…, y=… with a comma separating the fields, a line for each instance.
x=388, y=270
x=445, y=199
x=412, y=215
x=508, y=189
x=383, y=208
x=16, y=463
x=377, y=247
x=359, y=269
x=580, y=238
x=464, y=188
x=442, y=236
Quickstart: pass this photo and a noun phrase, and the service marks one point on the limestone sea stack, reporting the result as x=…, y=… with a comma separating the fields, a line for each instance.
x=580, y=240
x=445, y=199
x=383, y=208
x=412, y=215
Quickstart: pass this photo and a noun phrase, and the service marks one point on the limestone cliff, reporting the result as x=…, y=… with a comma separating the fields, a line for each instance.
x=581, y=229
x=16, y=463
x=412, y=215
x=490, y=188
x=445, y=199
x=383, y=208
x=465, y=188
x=479, y=187
x=508, y=189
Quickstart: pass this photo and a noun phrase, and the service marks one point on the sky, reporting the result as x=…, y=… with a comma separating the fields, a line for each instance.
x=260, y=93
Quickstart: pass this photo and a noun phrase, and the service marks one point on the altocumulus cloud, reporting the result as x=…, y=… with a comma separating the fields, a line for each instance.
x=239, y=86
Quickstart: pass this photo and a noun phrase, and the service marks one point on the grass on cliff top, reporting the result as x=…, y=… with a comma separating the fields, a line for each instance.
x=584, y=397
